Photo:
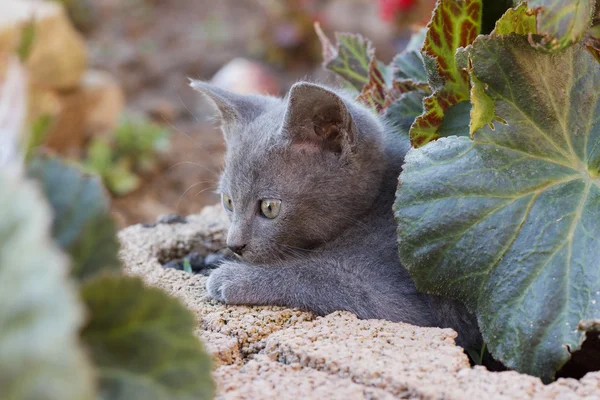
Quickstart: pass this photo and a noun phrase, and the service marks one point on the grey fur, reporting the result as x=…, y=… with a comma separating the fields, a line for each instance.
x=334, y=166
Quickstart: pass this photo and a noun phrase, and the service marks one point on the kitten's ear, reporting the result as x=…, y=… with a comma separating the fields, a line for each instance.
x=318, y=119
x=230, y=108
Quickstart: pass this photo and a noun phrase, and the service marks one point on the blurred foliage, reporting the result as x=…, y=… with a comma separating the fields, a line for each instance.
x=288, y=39
x=81, y=223
x=131, y=150
x=27, y=39
x=405, y=12
x=140, y=342
x=38, y=132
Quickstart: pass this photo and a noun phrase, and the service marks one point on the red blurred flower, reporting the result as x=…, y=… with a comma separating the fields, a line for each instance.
x=388, y=9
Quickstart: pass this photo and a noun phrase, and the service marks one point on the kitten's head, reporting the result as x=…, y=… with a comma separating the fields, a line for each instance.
x=298, y=171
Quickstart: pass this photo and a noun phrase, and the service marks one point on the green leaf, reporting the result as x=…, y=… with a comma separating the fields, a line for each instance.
x=120, y=180
x=40, y=354
x=187, y=267
x=456, y=120
x=409, y=65
x=562, y=22
x=402, y=113
x=482, y=110
x=520, y=20
x=38, y=133
x=139, y=140
x=27, y=39
x=143, y=344
x=82, y=223
x=455, y=24
x=374, y=93
x=349, y=58
x=509, y=222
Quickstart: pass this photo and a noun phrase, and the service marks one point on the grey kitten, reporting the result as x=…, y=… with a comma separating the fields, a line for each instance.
x=309, y=183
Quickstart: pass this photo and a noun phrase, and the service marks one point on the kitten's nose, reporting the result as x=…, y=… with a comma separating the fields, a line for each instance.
x=237, y=248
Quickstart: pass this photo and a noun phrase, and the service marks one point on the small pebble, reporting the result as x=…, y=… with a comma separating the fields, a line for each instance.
x=175, y=264
x=171, y=219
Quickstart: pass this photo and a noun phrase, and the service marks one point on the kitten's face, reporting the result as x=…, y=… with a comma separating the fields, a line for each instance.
x=297, y=174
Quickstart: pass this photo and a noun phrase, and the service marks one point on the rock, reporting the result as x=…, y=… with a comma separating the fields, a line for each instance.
x=280, y=353
x=246, y=77
x=261, y=378
x=58, y=55
x=104, y=102
x=170, y=219
x=93, y=109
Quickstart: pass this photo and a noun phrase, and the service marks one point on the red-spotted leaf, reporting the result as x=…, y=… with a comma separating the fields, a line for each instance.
x=455, y=24
x=374, y=93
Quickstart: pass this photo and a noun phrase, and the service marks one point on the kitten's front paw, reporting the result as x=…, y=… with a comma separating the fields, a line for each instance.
x=228, y=283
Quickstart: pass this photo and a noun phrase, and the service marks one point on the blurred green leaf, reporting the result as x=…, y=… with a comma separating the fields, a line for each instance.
x=134, y=148
x=140, y=140
x=39, y=130
x=143, y=343
x=120, y=180
x=40, y=354
x=187, y=267
x=349, y=58
x=27, y=39
x=82, y=224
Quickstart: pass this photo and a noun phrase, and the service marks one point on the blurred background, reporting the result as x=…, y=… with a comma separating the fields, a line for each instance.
x=108, y=80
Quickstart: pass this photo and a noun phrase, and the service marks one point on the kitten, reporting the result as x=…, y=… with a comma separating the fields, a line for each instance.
x=309, y=184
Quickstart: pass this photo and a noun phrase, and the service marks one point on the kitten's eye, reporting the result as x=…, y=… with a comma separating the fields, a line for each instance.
x=227, y=202
x=270, y=208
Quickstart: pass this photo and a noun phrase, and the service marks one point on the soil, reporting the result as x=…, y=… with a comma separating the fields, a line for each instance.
x=185, y=182
x=152, y=47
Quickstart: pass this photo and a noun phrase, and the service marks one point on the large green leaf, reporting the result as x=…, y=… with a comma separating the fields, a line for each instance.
x=82, y=223
x=143, y=344
x=40, y=354
x=455, y=24
x=509, y=222
x=562, y=22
